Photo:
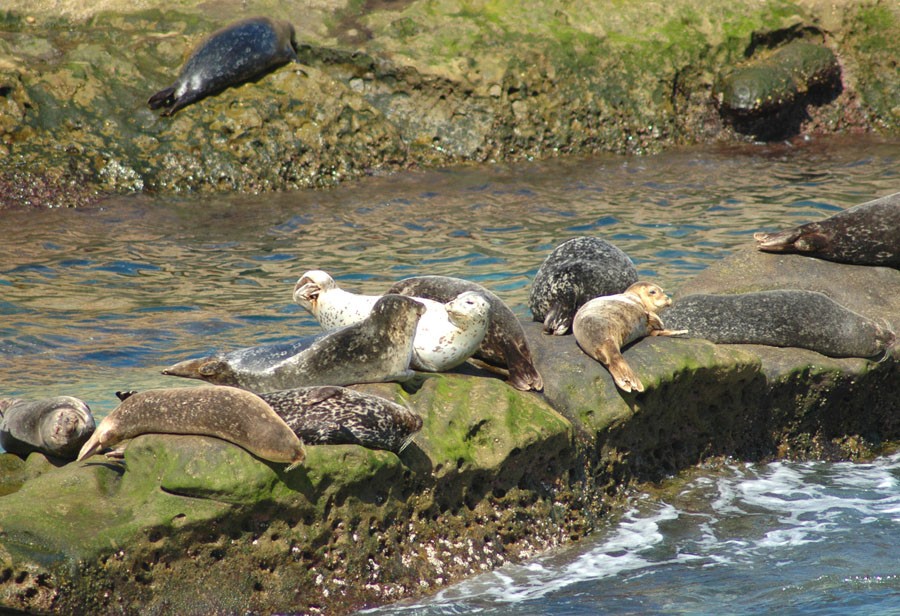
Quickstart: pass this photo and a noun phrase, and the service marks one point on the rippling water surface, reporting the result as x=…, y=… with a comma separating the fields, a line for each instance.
x=97, y=300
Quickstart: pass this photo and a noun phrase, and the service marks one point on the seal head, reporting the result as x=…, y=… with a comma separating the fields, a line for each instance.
x=56, y=426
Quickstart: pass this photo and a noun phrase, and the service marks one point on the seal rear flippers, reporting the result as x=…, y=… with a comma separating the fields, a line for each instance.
x=623, y=375
x=163, y=98
x=92, y=446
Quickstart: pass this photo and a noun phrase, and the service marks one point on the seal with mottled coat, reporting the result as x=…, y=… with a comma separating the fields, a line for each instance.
x=337, y=415
x=504, y=343
x=447, y=334
x=865, y=234
x=783, y=318
x=576, y=271
x=603, y=325
x=375, y=350
x=230, y=56
x=56, y=426
x=228, y=413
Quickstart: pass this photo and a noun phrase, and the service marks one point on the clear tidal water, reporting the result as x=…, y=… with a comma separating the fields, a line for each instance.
x=98, y=300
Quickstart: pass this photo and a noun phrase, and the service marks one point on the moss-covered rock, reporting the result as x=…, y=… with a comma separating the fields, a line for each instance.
x=391, y=85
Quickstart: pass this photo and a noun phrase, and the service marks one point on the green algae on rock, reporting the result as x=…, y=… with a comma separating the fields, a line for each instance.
x=767, y=84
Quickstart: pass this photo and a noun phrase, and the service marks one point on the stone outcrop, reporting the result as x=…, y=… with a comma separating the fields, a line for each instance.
x=398, y=84
x=196, y=525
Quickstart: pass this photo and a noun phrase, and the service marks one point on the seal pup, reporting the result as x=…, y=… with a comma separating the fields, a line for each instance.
x=228, y=413
x=337, y=415
x=54, y=426
x=577, y=270
x=447, y=334
x=504, y=343
x=603, y=325
x=865, y=234
x=375, y=350
x=783, y=318
x=239, y=52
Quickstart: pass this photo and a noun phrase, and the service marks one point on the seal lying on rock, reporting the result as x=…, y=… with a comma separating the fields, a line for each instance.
x=576, y=271
x=231, y=414
x=375, y=350
x=237, y=53
x=865, y=234
x=446, y=336
x=783, y=318
x=55, y=426
x=337, y=415
x=603, y=325
x=504, y=344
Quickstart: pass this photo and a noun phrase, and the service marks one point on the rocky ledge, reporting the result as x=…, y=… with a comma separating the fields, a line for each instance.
x=197, y=525
x=386, y=85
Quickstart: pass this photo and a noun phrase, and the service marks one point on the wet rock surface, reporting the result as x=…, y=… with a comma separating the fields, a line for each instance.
x=397, y=85
x=194, y=524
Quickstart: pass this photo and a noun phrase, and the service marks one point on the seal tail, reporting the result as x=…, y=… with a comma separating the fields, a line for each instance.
x=623, y=375
x=163, y=98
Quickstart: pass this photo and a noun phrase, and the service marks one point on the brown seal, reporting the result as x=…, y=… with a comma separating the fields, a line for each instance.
x=865, y=234
x=504, y=345
x=231, y=414
x=237, y=53
x=603, y=325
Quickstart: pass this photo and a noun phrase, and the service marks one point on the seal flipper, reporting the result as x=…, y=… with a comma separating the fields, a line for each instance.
x=523, y=374
x=163, y=98
x=558, y=320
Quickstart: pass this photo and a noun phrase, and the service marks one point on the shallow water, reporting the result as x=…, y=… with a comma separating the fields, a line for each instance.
x=96, y=300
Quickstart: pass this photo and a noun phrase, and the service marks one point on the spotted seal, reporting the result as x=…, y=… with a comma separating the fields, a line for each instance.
x=228, y=413
x=337, y=415
x=377, y=349
x=577, y=270
x=504, y=344
x=865, y=234
x=783, y=318
x=237, y=53
x=447, y=334
x=603, y=325
x=56, y=426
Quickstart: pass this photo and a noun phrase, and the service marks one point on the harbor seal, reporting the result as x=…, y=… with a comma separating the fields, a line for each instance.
x=576, y=271
x=375, y=350
x=783, y=318
x=54, y=426
x=247, y=360
x=603, y=325
x=228, y=413
x=230, y=56
x=337, y=415
x=504, y=344
x=447, y=334
x=865, y=234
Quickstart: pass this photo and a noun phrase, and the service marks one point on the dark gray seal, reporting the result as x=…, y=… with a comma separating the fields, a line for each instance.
x=865, y=234
x=376, y=350
x=504, y=345
x=237, y=53
x=576, y=271
x=603, y=325
x=228, y=413
x=337, y=415
x=55, y=426
x=782, y=318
